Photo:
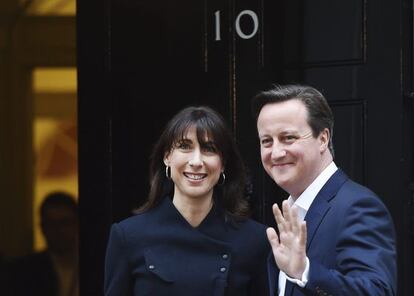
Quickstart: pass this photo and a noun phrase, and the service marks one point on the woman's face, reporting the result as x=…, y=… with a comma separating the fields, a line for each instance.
x=195, y=167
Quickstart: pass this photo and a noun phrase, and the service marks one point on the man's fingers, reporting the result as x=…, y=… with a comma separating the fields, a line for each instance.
x=272, y=237
x=303, y=234
x=295, y=223
x=286, y=208
x=278, y=214
x=287, y=215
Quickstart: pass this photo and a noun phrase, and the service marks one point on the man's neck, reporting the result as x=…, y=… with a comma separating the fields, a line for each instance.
x=65, y=259
x=326, y=160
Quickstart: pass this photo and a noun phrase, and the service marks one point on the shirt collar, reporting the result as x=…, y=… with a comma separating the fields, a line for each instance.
x=304, y=201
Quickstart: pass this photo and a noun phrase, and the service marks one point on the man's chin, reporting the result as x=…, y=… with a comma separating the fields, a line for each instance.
x=61, y=251
x=282, y=182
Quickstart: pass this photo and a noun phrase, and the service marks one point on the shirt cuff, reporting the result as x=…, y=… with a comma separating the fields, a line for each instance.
x=305, y=276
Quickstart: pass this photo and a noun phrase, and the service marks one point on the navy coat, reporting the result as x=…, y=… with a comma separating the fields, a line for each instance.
x=159, y=253
x=350, y=246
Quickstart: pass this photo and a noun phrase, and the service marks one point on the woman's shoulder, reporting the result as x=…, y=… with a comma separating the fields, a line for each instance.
x=253, y=224
x=253, y=235
x=252, y=227
x=135, y=223
x=137, y=218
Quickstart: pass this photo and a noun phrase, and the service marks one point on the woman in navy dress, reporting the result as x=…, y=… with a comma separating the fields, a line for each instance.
x=193, y=235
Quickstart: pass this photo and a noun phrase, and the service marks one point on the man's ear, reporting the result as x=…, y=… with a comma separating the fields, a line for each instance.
x=324, y=137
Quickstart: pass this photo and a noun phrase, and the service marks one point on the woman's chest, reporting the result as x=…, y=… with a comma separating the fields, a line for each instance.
x=189, y=265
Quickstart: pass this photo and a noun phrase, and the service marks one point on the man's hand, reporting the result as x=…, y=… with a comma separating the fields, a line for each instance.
x=289, y=249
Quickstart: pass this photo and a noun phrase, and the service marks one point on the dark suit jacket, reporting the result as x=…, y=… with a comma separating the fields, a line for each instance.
x=159, y=253
x=32, y=275
x=351, y=244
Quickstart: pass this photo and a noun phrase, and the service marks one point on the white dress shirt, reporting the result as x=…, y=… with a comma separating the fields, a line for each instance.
x=303, y=203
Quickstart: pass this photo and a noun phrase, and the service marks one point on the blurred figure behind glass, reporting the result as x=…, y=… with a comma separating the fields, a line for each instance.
x=54, y=271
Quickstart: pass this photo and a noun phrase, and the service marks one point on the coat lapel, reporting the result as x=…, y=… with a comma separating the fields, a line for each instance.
x=320, y=205
x=318, y=210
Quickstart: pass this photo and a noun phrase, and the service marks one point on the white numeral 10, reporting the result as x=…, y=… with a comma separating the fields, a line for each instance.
x=239, y=31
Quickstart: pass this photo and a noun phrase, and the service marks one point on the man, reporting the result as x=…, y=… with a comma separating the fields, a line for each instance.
x=335, y=237
x=54, y=271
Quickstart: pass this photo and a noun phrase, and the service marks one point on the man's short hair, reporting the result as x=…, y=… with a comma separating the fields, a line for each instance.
x=58, y=199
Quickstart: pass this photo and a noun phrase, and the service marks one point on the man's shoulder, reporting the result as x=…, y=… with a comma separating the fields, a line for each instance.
x=357, y=189
x=353, y=192
x=32, y=263
x=34, y=257
x=347, y=184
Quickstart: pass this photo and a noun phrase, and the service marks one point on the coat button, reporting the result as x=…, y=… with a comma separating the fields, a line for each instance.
x=225, y=256
x=151, y=267
x=223, y=269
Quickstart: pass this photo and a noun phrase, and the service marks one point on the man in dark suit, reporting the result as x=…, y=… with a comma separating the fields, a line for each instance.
x=54, y=271
x=335, y=237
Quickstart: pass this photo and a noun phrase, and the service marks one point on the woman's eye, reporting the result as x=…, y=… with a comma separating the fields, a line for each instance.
x=183, y=145
x=210, y=148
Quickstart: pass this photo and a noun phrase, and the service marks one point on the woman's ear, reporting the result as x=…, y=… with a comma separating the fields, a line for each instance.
x=166, y=159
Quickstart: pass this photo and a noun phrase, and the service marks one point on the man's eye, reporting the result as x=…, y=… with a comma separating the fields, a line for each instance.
x=289, y=138
x=266, y=142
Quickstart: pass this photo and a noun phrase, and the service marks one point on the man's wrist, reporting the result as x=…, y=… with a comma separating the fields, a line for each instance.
x=304, y=278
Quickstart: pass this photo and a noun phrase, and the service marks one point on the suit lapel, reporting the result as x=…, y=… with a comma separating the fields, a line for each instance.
x=288, y=288
x=320, y=205
x=272, y=274
x=313, y=218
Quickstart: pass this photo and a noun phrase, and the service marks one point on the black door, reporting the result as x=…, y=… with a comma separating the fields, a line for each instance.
x=141, y=61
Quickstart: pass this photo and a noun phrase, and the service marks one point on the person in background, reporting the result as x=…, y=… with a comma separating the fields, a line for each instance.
x=193, y=235
x=54, y=271
x=336, y=237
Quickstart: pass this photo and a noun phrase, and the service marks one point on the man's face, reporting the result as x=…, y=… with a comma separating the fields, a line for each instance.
x=290, y=154
x=59, y=226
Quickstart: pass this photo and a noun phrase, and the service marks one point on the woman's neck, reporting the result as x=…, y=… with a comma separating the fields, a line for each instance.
x=194, y=210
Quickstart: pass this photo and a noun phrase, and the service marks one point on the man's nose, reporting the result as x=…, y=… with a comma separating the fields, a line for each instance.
x=278, y=151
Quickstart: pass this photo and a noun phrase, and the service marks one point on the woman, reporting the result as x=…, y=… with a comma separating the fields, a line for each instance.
x=192, y=237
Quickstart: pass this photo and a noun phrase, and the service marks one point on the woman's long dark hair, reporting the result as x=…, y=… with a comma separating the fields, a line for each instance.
x=207, y=122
